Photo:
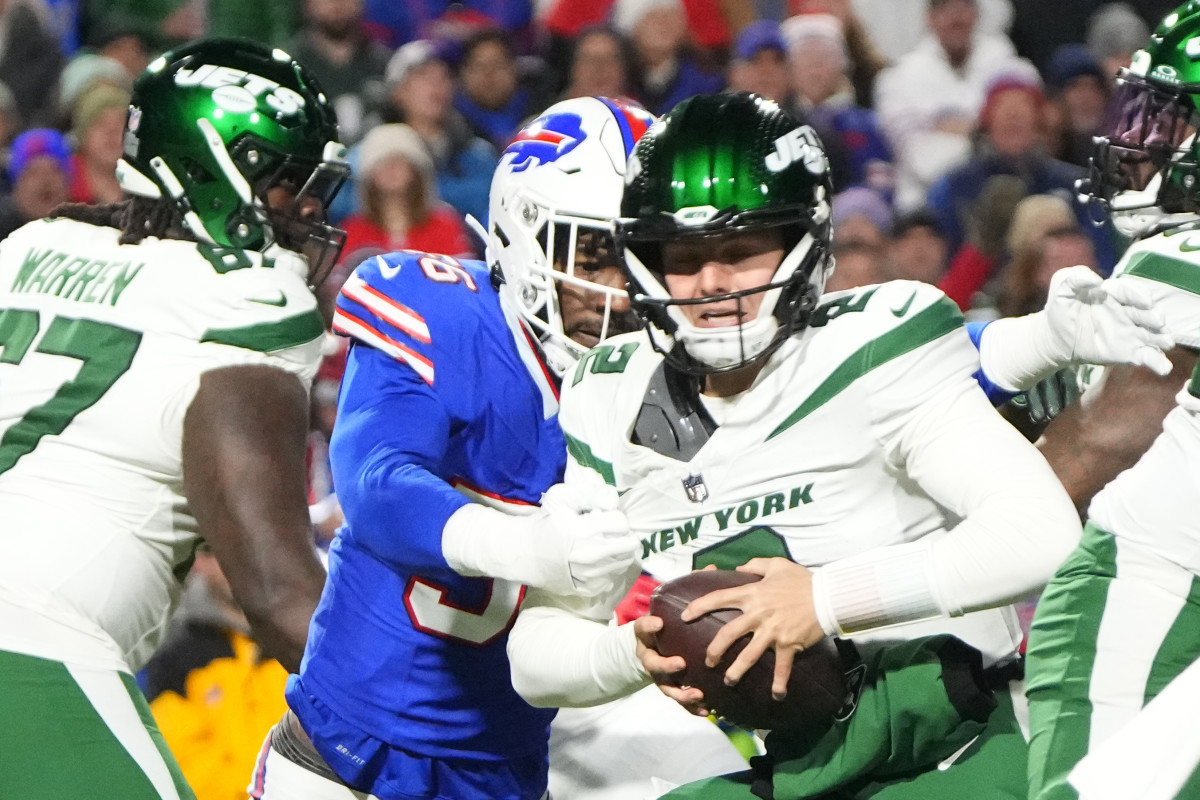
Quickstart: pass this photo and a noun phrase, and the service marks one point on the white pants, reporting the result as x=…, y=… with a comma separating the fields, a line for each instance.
x=634, y=748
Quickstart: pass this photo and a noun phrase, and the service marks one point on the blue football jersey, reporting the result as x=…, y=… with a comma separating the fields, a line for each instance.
x=445, y=400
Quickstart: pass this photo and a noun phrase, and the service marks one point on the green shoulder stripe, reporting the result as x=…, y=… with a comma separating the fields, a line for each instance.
x=1164, y=269
x=936, y=321
x=267, y=337
x=586, y=458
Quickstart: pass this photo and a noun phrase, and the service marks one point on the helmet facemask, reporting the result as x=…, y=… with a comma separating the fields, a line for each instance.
x=1146, y=167
x=552, y=200
x=291, y=196
x=241, y=140
x=787, y=300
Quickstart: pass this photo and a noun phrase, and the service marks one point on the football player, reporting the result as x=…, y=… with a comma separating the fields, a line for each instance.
x=155, y=357
x=446, y=443
x=1119, y=620
x=755, y=417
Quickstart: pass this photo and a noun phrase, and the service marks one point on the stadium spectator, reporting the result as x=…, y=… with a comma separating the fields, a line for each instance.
x=394, y=23
x=929, y=100
x=667, y=71
x=350, y=66
x=1078, y=92
x=401, y=209
x=599, y=66
x=1011, y=142
x=421, y=94
x=918, y=251
x=820, y=66
x=30, y=61
x=1043, y=237
x=39, y=169
x=490, y=92
x=759, y=62
x=1114, y=32
x=98, y=130
x=862, y=222
x=83, y=73
x=895, y=27
x=865, y=59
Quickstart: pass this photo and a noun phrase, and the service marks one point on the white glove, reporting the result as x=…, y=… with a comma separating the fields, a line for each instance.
x=1087, y=320
x=1096, y=321
x=577, y=543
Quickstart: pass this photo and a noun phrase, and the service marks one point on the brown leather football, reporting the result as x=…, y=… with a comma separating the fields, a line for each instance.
x=816, y=689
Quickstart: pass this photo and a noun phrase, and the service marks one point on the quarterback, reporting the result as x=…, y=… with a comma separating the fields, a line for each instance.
x=1121, y=618
x=155, y=357
x=838, y=445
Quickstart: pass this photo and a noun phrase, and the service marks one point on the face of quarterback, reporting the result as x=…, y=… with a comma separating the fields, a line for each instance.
x=583, y=310
x=713, y=266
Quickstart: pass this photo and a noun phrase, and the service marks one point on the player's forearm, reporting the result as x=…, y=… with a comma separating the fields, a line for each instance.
x=398, y=511
x=1093, y=441
x=243, y=461
x=1017, y=527
x=560, y=660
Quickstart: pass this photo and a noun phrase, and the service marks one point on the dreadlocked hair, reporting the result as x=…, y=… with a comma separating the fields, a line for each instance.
x=136, y=218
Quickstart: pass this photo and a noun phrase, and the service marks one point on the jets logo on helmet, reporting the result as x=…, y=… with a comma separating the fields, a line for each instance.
x=801, y=144
x=545, y=140
x=718, y=166
x=238, y=91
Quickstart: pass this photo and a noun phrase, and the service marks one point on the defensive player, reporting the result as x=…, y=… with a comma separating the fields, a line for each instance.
x=155, y=357
x=447, y=440
x=1121, y=618
x=755, y=418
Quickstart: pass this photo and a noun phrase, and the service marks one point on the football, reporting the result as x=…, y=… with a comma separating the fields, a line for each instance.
x=817, y=686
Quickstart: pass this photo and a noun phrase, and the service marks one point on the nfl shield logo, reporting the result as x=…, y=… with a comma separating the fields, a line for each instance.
x=697, y=492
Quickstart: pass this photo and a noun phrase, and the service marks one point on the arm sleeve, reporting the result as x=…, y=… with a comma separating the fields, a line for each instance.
x=996, y=394
x=391, y=430
x=563, y=656
x=1017, y=524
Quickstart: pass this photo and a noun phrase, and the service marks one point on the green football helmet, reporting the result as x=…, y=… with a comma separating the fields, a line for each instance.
x=216, y=126
x=1145, y=170
x=718, y=164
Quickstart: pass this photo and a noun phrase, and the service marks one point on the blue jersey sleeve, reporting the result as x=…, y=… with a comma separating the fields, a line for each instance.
x=394, y=422
x=994, y=393
x=391, y=432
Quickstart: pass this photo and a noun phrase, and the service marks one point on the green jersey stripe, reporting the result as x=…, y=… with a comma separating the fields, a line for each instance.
x=1164, y=269
x=586, y=458
x=266, y=337
x=934, y=322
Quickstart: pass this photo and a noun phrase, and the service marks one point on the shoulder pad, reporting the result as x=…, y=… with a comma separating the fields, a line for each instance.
x=884, y=305
x=394, y=302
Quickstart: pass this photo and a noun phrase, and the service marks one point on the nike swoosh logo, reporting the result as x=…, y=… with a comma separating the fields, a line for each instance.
x=902, y=310
x=1187, y=246
x=278, y=302
x=957, y=754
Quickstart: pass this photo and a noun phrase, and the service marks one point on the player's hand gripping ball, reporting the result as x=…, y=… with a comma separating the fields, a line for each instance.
x=816, y=689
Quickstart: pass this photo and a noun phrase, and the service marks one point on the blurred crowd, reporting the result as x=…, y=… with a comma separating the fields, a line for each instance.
x=956, y=129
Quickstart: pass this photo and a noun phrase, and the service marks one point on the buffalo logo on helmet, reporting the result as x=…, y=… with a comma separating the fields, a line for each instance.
x=546, y=140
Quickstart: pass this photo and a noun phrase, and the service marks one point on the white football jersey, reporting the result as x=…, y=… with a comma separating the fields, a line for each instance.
x=809, y=463
x=102, y=346
x=1154, y=502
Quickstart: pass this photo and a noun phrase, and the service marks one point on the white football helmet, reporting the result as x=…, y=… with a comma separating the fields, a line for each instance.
x=557, y=182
